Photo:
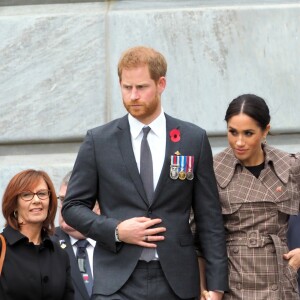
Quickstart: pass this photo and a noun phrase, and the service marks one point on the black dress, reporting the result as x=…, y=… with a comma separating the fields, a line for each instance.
x=34, y=272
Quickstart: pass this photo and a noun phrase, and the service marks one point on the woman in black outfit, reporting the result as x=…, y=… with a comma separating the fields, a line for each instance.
x=34, y=267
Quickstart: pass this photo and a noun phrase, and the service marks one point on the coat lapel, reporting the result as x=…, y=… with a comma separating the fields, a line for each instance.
x=125, y=145
x=76, y=275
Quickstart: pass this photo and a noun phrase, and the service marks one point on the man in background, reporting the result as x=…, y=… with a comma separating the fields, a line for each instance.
x=81, y=258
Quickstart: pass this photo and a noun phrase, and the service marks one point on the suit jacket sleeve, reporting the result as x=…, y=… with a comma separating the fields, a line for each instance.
x=81, y=196
x=209, y=221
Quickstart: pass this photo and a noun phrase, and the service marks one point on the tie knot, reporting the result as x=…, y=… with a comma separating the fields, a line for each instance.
x=146, y=131
x=82, y=243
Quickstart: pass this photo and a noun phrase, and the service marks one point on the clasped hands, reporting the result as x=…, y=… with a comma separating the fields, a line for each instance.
x=139, y=231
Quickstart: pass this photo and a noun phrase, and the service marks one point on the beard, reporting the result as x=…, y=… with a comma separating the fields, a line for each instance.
x=144, y=110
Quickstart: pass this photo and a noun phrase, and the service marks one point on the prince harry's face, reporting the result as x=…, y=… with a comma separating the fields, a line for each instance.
x=141, y=94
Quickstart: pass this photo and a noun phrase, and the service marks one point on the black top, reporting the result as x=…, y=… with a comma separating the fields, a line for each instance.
x=255, y=170
x=32, y=272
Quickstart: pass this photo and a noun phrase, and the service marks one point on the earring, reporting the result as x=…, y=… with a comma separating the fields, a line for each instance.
x=265, y=140
x=16, y=214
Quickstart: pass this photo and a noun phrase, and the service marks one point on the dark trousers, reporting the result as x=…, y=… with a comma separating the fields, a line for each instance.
x=147, y=282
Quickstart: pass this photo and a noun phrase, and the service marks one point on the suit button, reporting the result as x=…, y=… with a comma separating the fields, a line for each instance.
x=274, y=287
x=45, y=279
x=149, y=212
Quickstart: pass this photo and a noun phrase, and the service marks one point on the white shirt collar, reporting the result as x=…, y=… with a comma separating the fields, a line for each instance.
x=73, y=241
x=136, y=126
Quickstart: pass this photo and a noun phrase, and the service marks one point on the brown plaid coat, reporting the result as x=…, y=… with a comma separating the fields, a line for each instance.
x=256, y=212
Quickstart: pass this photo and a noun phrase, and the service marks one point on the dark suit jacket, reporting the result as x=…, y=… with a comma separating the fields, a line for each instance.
x=293, y=236
x=79, y=287
x=106, y=169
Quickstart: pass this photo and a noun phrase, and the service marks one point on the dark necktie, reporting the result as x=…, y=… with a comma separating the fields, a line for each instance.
x=146, y=172
x=84, y=264
x=146, y=166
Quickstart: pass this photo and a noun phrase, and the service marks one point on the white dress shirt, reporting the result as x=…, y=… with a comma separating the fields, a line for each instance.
x=156, y=140
x=157, y=143
x=89, y=249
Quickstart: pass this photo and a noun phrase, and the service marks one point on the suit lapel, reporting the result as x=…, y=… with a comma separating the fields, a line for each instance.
x=125, y=145
x=171, y=148
x=76, y=275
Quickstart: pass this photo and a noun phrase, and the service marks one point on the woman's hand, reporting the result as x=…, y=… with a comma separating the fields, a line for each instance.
x=294, y=258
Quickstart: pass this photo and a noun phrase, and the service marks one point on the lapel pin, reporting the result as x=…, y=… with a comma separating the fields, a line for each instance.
x=63, y=244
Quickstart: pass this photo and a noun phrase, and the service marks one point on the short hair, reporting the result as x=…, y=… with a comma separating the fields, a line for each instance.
x=143, y=56
x=24, y=181
x=251, y=105
x=66, y=179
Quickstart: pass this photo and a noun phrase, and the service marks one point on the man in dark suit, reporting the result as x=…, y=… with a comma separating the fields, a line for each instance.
x=147, y=183
x=67, y=237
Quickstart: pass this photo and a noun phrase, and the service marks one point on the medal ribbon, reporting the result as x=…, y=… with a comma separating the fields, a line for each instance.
x=182, y=162
x=174, y=160
x=190, y=163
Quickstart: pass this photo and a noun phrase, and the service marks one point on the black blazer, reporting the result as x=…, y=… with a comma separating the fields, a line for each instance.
x=34, y=272
x=63, y=238
x=106, y=169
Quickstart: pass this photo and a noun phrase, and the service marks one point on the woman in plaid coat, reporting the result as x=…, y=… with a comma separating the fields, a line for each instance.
x=259, y=189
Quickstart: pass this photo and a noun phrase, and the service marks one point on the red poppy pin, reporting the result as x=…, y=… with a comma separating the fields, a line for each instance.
x=175, y=135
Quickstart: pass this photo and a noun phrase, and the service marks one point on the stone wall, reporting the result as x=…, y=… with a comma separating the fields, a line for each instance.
x=58, y=70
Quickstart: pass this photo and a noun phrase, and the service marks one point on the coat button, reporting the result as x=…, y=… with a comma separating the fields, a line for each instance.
x=45, y=279
x=239, y=286
x=235, y=250
x=274, y=287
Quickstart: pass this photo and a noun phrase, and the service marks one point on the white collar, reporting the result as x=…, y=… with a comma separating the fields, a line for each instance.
x=73, y=241
x=156, y=126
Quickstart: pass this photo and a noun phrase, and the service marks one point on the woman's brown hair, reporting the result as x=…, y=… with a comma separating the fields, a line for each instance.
x=26, y=181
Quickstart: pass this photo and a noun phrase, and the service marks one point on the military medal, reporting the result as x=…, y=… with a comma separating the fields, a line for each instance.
x=174, y=167
x=182, y=164
x=85, y=277
x=81, y=265
x=190, y=166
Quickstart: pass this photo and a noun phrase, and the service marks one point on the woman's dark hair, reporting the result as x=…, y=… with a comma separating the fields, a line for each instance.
x=26, y=181
x=252, y=106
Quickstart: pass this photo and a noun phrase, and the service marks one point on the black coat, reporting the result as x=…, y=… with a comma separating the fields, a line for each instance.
x=63, y=238
x=32, y=272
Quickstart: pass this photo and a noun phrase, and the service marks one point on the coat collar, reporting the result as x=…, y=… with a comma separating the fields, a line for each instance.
x=14, y=236
x=225, y=164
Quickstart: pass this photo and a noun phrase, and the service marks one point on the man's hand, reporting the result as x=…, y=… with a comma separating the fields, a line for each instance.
x=211, y=295
x=294, y=258
x=138, y=231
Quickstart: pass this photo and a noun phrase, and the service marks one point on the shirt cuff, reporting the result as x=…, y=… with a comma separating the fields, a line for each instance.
x=117, y=235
